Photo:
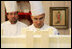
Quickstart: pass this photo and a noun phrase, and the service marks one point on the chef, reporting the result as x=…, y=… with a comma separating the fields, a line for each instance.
x=38, y=17
x=12, y=27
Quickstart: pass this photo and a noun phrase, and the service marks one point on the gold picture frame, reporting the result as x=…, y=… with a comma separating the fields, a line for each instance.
x=59, y=17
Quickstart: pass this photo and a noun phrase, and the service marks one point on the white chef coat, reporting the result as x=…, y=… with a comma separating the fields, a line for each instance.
x=45, y=27
x=9, y=29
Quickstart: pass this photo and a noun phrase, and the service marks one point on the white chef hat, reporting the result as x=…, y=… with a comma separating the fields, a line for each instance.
x=36, y=8
x=11, y=6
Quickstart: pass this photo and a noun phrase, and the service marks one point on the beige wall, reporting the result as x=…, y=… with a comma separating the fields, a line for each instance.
x=2, y=12
x=46, y=6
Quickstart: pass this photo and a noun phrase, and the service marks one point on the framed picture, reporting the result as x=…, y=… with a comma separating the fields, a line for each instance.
x=59, y=17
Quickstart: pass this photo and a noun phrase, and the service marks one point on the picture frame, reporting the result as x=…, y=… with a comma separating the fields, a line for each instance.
x=59, y=17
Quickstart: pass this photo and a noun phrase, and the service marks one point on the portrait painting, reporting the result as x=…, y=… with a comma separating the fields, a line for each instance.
x=59, y=17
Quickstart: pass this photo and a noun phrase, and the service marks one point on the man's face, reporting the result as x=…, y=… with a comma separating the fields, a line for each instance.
x=13, y=17
x=38, y=21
